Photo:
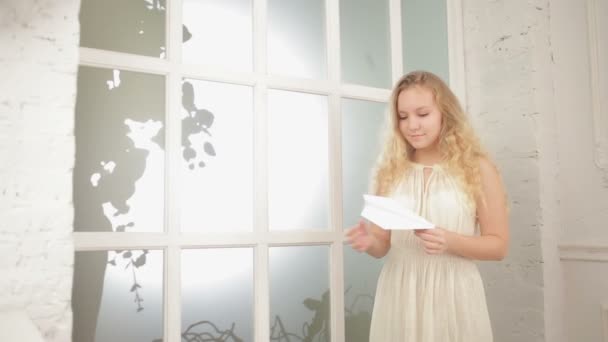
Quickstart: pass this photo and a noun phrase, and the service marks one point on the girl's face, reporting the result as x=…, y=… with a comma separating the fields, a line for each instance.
x=419, y=118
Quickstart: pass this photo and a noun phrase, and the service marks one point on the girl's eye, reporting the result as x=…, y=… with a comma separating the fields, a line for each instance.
x=402, y=118
x=423, y=114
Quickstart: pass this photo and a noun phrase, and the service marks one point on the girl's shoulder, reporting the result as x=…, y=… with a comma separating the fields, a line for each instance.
x=487, y=168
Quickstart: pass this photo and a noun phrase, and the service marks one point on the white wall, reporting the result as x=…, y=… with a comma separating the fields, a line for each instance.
x=584, y=184
x=506, y=48
x=38, y=61
x=582, y=188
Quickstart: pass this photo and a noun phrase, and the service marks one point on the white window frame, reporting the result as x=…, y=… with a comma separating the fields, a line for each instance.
x=172, y=241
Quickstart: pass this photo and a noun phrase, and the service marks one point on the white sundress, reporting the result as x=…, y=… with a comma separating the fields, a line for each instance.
x=430, y=298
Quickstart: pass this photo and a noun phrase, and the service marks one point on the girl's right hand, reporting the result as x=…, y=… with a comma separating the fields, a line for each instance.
x=359, y=237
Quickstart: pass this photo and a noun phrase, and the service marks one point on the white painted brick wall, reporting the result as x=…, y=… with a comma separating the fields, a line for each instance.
x=38, y=63
x=506, y=42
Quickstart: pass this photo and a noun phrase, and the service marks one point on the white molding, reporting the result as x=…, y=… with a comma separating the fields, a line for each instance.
x=456, y=55
x=604, y=321
x=597, y=62
x=584, y=252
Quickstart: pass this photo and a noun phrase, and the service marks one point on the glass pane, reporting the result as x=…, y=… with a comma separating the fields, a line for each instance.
x=365, y=37
x=217, y=294
x=360, y=279
x=217, y=157
x=118, y=296
x=298, y=165
x=362, y=128
x=136, y=27
x=425, y=36
x=299, y=293
x=120, y=141
x=218, y=33
x=296, y=38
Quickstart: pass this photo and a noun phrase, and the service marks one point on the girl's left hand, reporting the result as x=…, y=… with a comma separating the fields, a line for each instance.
x=434, y=241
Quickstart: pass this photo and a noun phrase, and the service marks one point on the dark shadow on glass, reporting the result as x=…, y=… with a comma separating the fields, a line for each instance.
x=89, y=271
x=133, y=263
x=100, y=139
x=89, y=278
x=197, y=121
x=126, y=26
x=186, y=34
x=357, y=322
x=317, y=330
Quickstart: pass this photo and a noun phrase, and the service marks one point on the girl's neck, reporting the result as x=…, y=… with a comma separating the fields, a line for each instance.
x=427, y=157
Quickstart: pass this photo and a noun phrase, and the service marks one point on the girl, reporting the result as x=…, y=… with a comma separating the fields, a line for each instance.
x=430, y=288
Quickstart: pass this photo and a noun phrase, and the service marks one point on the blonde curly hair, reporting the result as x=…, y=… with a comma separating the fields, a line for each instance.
x=459, y=146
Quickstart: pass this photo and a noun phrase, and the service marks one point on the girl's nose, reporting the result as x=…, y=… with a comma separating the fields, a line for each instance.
x=413, y=124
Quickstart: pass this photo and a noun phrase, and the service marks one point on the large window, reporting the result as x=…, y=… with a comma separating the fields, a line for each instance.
x=222, y=147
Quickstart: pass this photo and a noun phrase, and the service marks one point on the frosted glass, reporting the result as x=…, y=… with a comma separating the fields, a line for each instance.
x=217, y=294
x=299, y=293
x=298, y=161
x=217, y=157
x=118, y=296
x=218, y=33
x=119, y=169
x=362, y=133
x=296, y=38
x=365, y=42
x=425, y=36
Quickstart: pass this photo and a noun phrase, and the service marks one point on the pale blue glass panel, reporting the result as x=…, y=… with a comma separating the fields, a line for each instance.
x=361, y=273
x=363, y=124
x=298, y=161
x=218, y=33
x=362, y=133
x=299, y=293
x=119, y=169
x=296, y=38
x=136, y=27
x=118, y=296
x=217, y=157
x=217, y=294
x=425, y=36
x=365, y=42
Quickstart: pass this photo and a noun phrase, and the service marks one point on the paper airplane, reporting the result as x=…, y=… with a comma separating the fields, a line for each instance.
x=390, y=214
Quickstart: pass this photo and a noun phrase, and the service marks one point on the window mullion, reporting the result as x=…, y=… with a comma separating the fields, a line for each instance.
x=396, y=39
x=262, y=299
x=172, y=298
x=261, y=276
x=336, y=260
x=124, y=61
x=456, y=49
x=336, y=264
